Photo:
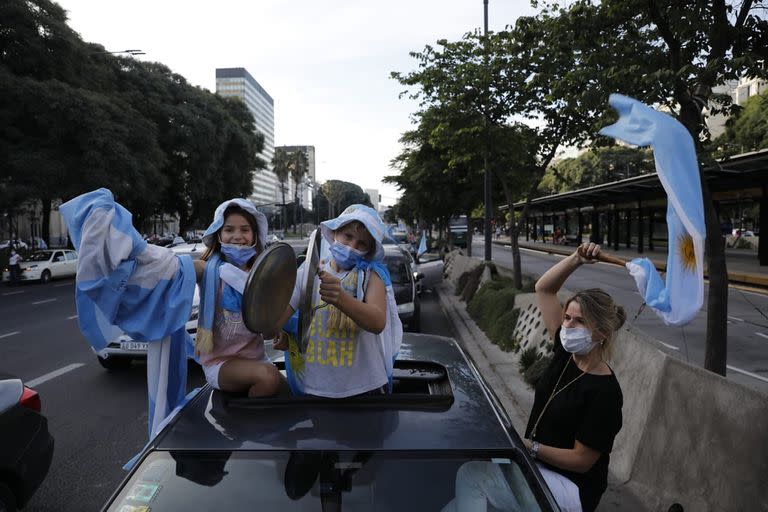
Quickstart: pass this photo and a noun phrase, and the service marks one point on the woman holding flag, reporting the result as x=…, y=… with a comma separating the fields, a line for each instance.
x=577, y=407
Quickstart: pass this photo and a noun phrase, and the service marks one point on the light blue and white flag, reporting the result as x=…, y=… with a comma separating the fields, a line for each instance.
x=422, y=245
x=679, y=299
x=125, y=284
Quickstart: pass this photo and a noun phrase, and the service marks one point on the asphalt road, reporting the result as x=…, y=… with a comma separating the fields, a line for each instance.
x=98, y=418
x=747, y=325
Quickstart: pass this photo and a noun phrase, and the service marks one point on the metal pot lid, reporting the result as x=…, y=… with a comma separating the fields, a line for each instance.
x=269, y=287
x=307, y=290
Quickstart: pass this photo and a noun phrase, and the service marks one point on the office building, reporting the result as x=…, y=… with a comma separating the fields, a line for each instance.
x=238, y=83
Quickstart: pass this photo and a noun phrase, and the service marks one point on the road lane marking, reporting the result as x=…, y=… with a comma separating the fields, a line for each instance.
x=672, y=347
x=9, y=334
x=750, y=374
x=762, y=335
x=52, y=375
x=71, y=317
x=43, y=301
x=62, y=284
x=13, y=293
x=736, y=318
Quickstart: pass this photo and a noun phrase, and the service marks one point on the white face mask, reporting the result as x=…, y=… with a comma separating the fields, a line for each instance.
x=577, y=340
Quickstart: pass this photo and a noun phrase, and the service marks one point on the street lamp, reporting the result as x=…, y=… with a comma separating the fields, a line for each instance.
x=487, y=174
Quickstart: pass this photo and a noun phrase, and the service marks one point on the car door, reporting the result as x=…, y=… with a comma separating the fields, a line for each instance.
x=58, y=264
x=71, y=259
x=431, y=267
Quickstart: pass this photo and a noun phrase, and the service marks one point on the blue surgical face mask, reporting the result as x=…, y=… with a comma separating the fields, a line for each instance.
x=345, y=256
x=577, y=340
x=238, y=255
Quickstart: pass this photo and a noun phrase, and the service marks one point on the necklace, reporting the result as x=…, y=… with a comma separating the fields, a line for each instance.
x=555, y=392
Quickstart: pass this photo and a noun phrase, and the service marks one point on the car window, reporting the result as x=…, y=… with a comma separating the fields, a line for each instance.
x=398, y=270
x=39, y=256
x=270, y=481
x=59, y=256
x=71, y=255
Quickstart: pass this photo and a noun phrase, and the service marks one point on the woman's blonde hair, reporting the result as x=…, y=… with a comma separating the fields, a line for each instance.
x=233, y=208
x=600, y=314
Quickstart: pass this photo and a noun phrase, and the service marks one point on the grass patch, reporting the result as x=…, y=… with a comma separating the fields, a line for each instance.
x=534, y=372
x=503, y=329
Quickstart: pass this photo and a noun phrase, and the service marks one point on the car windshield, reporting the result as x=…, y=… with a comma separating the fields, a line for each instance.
x=281, y=480
x=39, y=256
x=398, y=270
x=399, y=237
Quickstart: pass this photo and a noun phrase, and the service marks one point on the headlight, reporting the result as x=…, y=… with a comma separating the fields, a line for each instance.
x=408, y=307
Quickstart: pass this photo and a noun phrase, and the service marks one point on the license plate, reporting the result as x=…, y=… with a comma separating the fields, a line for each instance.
x=133, y=345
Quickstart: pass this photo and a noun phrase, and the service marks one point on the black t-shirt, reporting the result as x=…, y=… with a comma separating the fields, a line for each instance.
x=588, y=410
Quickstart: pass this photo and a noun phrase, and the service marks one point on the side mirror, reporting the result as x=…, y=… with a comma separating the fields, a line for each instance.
x=418, y=276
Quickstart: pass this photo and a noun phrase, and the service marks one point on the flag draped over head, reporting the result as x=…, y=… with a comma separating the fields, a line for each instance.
x=125, y=284
x=679, y=299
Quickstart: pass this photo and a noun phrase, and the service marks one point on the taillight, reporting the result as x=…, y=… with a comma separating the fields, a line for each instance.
x=31, y=399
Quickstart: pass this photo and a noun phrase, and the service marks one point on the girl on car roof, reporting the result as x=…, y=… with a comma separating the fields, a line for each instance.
x=233, y=358
x=355, y=331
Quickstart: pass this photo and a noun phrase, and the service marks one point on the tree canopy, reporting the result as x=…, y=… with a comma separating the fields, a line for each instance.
x=75, y=118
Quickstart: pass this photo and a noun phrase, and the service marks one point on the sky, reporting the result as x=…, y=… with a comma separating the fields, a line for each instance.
x=326, y=64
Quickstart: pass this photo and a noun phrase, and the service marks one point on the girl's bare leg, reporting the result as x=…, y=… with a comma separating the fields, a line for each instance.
x=256, y=377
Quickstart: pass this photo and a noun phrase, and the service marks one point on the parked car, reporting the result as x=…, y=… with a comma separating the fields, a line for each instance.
x=123, y=349
x=377, y=452
x=404, y=283
x=46, y=265
x=26, y=445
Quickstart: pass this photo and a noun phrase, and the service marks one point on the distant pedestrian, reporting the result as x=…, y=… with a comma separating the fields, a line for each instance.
x=15, y=267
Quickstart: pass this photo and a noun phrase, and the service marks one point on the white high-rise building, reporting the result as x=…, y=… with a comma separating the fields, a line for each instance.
x=373, y=193
x=238, y=83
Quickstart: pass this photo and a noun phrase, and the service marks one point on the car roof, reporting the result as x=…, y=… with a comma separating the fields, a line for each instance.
x=212, y=420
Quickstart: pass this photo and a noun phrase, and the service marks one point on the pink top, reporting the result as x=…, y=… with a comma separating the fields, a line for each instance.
x=231, y=338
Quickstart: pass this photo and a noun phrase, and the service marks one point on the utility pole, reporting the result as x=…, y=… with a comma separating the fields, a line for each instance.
x=486, y=173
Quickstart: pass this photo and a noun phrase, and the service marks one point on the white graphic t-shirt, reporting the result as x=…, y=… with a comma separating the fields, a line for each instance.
x=339, y=361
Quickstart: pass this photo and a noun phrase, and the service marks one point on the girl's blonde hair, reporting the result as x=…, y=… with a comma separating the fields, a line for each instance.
x=216, y=247
x=601, y=314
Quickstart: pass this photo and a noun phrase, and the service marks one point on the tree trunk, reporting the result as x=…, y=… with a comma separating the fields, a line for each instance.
x=469, y=234
x=46, y=222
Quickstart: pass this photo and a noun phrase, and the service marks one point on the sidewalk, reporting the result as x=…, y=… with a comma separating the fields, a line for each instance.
x=743, y=265
x=501, y=371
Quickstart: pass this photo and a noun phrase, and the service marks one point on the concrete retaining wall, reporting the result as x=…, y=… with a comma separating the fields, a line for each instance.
x=689, y=435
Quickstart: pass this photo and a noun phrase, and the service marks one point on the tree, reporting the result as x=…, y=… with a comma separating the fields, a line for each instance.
x=747, y=130
x=281, y=166
x=335, y=195
x=675, y=55
x=596, y=166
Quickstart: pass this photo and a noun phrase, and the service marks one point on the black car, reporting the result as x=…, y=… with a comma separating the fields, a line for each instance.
x=26, y=446
x=374, y=452
x=405, y=283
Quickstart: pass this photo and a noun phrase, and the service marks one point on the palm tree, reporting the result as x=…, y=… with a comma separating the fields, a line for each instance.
x=281, y=166
x=299, y=168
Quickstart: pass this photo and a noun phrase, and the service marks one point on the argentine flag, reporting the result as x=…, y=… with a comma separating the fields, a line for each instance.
x=422, y=245
x=679, y=298
x=125, y=284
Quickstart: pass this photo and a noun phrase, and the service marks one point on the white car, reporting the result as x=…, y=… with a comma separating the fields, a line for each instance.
x=119, y=353
x=46, y=265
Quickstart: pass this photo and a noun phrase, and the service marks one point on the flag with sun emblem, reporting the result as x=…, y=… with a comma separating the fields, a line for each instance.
x=679, y=298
